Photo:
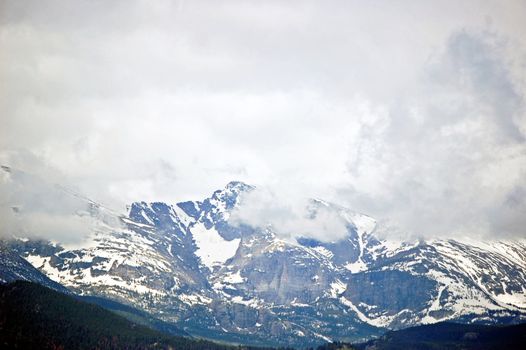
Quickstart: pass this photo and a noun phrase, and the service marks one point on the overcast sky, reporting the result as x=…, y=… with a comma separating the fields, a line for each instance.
x=410, y=111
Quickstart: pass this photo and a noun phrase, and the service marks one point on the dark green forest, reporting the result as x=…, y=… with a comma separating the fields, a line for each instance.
x=36, y=317
x=444, y=336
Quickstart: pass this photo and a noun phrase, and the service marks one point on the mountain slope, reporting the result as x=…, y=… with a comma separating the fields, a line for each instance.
x=32, y=316
x=14, y=268
x=186, y=264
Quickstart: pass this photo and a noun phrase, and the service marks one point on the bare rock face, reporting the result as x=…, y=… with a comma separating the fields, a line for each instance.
x=391, y=291
x=186, y=264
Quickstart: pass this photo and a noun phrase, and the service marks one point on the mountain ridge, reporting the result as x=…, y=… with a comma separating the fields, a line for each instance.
x=251, y=285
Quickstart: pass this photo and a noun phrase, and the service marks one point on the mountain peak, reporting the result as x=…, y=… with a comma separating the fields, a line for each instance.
x=238, y=186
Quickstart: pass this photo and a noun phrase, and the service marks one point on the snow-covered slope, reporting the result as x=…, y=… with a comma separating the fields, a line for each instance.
x=186, y=264
x=14, y=268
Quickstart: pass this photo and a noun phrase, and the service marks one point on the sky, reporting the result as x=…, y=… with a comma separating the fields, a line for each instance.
x=412, y=112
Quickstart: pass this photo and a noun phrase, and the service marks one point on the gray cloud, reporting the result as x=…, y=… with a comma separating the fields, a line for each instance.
x=445, y=160
x=411, y=112
x=39, y=207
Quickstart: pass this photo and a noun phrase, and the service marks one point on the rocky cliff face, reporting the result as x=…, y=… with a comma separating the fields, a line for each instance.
x=186, y=264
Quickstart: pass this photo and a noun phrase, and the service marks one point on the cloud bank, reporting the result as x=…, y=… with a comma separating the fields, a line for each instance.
x=410, y=112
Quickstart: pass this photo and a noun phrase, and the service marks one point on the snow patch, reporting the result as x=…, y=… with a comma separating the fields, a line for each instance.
x=234, y=278
x=516, y=299
x=211, y=247
x=382, y=321
x=356, y=266
x=194, y=299
x=324, y=252
x=337, y=288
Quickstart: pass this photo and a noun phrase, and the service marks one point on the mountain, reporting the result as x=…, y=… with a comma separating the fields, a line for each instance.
x=15, y=268
x=35, y=317
x=185, y=264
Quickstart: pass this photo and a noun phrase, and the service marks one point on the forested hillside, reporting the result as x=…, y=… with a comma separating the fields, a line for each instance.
x=36, y=317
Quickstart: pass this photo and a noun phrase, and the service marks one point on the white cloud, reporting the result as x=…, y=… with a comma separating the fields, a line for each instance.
x=288, y=215
x=409, y=111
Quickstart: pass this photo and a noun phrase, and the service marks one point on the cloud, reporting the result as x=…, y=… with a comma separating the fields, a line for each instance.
x=40, y=206
x=446, y=161
x=288, y=216
x=405, y=111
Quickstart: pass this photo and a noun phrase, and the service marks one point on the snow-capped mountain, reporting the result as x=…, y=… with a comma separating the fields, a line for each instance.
x=15, y=268
x=186, y=264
